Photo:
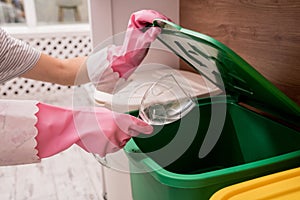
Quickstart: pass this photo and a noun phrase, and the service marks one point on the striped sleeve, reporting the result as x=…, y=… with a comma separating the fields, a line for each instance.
x=16, y=57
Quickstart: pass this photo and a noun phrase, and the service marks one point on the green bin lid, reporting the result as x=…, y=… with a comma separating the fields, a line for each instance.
x=224, y=68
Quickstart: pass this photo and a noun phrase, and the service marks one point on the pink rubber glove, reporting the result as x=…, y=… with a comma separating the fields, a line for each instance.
x=98, y=131
x=124, y=59
x=109, y=64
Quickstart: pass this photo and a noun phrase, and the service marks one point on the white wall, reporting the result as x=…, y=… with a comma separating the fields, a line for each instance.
x=110, y=17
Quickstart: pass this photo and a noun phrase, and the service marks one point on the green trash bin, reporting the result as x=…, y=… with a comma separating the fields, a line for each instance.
x=259, y=132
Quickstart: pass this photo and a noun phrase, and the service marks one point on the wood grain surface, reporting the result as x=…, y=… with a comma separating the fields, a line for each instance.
x=266, y=33
x=70, y=175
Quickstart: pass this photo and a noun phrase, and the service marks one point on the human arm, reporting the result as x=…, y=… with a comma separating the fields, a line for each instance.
x=109, y=131
x=61, y=71
x=30, y=130
x=17, y=58
x=112, y=62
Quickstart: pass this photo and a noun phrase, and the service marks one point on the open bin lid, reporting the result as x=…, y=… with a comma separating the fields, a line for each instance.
x=225, y=69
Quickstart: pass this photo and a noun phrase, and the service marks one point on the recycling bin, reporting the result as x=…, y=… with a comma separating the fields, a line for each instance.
x=249, y=130
x=280, y=185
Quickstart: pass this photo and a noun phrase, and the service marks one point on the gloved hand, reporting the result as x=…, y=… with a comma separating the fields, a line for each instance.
x=109, y=64
x=98, y=131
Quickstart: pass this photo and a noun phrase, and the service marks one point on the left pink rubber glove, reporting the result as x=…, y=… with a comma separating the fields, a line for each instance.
x=106, y=66
x=98, y=131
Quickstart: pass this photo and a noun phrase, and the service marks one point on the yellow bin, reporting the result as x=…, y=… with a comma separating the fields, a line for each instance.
x=279, y=186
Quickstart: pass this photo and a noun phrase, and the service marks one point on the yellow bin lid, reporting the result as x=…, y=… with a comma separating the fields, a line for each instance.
x=279, y=186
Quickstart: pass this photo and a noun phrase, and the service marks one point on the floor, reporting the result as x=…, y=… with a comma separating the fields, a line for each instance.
x=72, y=174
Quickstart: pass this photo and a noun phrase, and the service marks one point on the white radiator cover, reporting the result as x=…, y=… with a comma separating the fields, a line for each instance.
x=57, y=44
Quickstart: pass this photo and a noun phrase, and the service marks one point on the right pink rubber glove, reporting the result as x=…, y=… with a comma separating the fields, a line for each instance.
x=139, y=35
x=106, y=66
x=98, y=131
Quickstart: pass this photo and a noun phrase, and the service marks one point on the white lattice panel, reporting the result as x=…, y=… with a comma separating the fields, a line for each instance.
x=60, y=46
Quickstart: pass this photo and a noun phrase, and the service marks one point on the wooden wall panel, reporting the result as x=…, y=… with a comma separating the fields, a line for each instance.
x=266, y=33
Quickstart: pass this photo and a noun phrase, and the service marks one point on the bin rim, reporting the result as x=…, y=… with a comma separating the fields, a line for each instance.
x=177, y=180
